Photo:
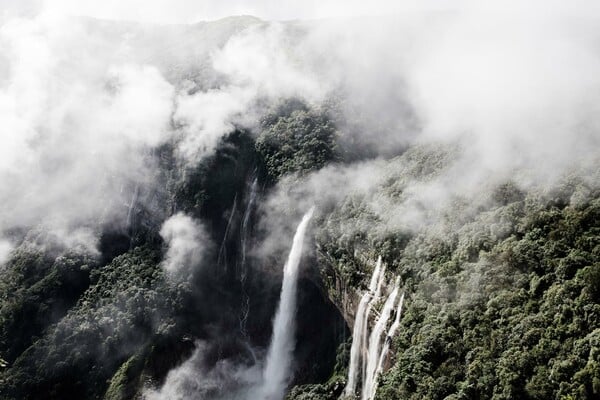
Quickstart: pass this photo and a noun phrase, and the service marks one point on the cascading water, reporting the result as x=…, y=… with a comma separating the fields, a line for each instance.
x=279, y=356
x=360, y=330
x=372, y=355
x=365, y=331
x=386, y=346
x=375, y=343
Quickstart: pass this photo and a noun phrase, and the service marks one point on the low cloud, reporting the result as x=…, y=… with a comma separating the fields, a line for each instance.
x=509, y=91
x=257, y=68
x=187, y=241
x=84, y=102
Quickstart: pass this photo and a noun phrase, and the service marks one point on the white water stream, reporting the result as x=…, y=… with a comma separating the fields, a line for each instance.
x=359, y=332
x=369, y=352
x=386, y=346
x=279, y=357
x=375, y=342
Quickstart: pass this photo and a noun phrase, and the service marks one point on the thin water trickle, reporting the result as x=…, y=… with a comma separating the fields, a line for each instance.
x=222, y=257
x=245, y=307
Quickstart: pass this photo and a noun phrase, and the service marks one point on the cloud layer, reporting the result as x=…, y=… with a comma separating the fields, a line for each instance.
x=509, y=91
x=83, y=102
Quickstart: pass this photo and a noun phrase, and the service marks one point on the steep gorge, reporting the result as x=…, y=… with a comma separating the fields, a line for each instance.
x=460, y=266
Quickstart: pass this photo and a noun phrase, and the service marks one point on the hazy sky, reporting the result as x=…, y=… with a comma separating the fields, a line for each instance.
x=187, y=11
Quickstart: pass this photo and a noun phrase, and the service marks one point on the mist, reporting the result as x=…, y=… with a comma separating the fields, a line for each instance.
x=91, y=94
x=517, y=89
x=186, y=241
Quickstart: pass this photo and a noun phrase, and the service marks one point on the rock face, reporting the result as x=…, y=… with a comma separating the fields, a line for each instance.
x=501, y=276
x=128, y=323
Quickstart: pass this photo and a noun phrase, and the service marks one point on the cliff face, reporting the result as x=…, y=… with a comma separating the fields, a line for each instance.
x=501, y=286
x=152, y=178
x=112, y=325
x=500, y=291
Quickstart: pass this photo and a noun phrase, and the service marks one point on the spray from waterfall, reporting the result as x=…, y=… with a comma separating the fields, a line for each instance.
x=279, y=357
x=359, y=331
x=375, y=342
x=245, y=308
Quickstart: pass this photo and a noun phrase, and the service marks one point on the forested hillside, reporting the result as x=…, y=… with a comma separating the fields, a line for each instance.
x=502, y=299
x=402, y=206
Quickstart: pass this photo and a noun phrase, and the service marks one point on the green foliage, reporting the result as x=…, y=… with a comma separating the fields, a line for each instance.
x=328, y=391
x=520, y=320
x=35, y=291
x=503, y=301
x=125, y=382
x=122, y=311
x=300, y=142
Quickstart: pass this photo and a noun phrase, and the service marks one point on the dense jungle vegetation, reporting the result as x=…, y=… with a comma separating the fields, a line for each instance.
x=504, y=307
x=502, y=299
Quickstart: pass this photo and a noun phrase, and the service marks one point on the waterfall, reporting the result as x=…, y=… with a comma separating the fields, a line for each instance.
x=223, y=249
x=245, y=308
x=372, y=302
x=245, y=221
x=132, y=205
x=373, y=353
x=386, y=346
x=279, y=356
x=359, y=331
x=130, y=209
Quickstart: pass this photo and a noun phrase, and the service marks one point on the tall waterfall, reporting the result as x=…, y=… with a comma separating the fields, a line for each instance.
x=278, y=363
x=359, y=332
